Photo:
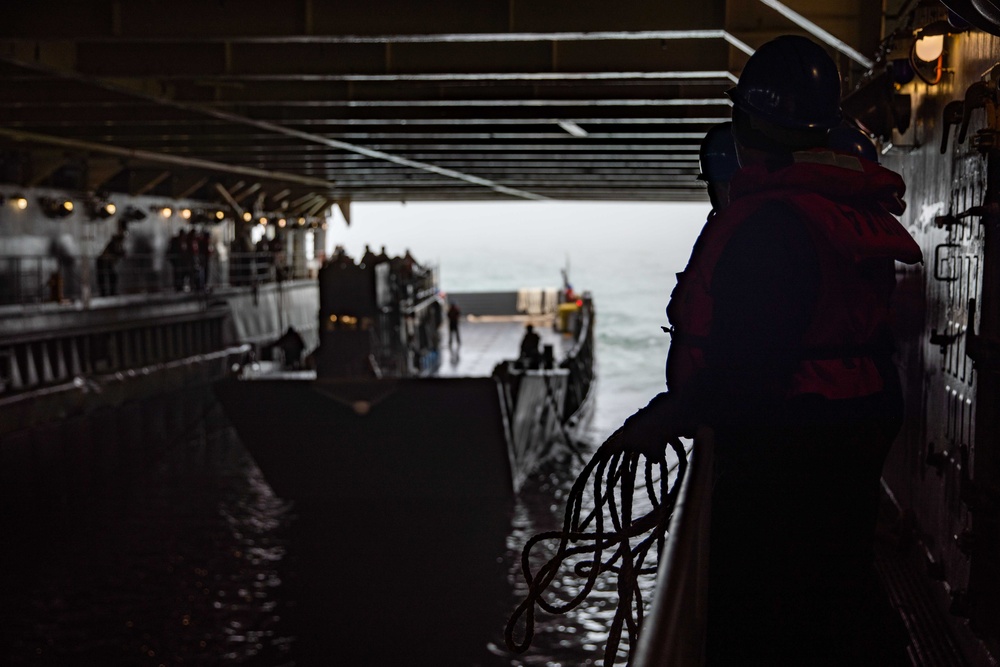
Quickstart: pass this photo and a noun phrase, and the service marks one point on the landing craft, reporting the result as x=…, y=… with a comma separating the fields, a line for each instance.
x=271, y=118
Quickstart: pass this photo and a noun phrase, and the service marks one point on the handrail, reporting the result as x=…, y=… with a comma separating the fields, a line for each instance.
x=673, y=634
x=29, y=279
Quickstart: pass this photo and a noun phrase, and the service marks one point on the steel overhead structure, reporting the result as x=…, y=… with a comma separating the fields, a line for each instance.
x=386, y=100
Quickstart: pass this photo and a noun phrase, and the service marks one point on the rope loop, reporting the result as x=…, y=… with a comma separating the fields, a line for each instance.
x=601, y=542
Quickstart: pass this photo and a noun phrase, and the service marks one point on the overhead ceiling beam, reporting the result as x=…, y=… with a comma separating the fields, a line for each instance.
x=185, y=186
x=240, y=196
x=43, y=165
x=301, y=204
x=151, y=183
x=819, y=33
x=441, y=38
x=492, y=103
x=237, y=209
x=161, y=158
x=345, y=209
x=316, y=206
x=455, y=121
x=102, y=170
x=488, y=77
x=305, y=136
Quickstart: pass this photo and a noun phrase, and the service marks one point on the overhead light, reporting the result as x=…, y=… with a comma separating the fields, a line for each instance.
x=186, y=213
x=56, y=207
x=281, y=222
x=302, y=221
x=263, y=221
x=100, y=208
x=19, y=202
x=219, y=215
x=166, y=211
x=929, y=48
x=247, y=216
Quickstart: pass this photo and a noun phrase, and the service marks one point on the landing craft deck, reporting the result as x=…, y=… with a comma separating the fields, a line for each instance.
x=488, y=340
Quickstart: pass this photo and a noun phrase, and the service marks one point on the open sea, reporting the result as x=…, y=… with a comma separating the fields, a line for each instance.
x=191, y=559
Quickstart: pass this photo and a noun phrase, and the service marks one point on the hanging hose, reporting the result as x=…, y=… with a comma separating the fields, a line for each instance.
x=610, y=468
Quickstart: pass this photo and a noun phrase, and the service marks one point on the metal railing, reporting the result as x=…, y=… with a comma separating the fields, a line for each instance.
x=29, y=279
x=673, y=634
x=580, y=360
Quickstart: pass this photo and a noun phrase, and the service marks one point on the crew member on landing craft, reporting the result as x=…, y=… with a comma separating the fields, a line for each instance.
x=781, y=343
x=454, y=315
x=530, y=353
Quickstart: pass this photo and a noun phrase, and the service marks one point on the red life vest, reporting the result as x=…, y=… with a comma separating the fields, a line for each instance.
x=848, y=206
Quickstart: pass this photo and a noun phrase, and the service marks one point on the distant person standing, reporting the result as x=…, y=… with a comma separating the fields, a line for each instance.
x=107, y=265
x=530, y=353
x=454, y=313
x=369, y=258
x=192, y=261
x=175, y=253
x=205, y=252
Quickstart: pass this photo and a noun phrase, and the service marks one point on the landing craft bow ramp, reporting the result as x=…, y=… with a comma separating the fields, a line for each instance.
x=300, y=105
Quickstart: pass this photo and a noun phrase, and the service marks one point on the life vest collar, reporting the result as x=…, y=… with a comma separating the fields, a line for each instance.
x=836, y=176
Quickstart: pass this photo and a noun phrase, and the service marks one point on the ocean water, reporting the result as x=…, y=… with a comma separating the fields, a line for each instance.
x=184, y=555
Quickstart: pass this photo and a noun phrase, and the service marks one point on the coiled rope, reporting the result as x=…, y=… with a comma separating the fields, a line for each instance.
x=610, y=469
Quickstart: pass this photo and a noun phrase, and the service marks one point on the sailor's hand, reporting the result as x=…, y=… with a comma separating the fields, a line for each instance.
x=648, y=430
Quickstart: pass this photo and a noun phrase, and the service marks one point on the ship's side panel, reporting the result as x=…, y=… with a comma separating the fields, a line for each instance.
x=317, y=441
x=946, y=448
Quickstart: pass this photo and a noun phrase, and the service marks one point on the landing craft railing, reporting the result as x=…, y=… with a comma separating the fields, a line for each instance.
x=673, y=634
x=580, y=361
x=29, y=279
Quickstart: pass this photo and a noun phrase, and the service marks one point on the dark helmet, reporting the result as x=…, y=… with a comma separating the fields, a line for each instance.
x=792, y=83
x=717, y=155
x=851, y=140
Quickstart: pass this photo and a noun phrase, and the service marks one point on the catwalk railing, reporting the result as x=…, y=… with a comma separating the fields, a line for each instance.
x=580, y=360
x=27, y=279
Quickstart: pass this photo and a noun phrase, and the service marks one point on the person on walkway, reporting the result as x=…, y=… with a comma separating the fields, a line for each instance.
x=107, y=265
x=369, y=258
x=177, y=253
x=454, y=314
x=781, y=344
x=530, y=352
x=205, y=253
x=292, y=346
